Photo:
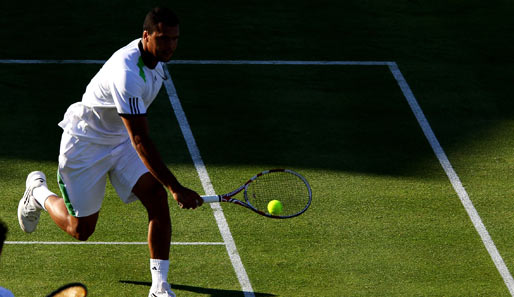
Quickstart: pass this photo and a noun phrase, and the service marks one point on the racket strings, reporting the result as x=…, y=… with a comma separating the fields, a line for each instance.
x=286, y=187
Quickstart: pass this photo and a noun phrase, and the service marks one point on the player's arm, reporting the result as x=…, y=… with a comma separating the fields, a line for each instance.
x=137, y=127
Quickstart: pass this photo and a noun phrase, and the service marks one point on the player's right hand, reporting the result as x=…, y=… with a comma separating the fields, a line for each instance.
x=187, y=198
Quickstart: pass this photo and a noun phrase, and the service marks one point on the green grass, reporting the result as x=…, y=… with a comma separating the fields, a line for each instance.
x=384, y=219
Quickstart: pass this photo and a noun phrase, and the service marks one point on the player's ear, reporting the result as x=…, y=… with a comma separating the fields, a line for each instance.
x=145, y=35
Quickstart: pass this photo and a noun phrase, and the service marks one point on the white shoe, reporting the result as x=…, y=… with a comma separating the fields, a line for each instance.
x=28, y=208
x=163, y=290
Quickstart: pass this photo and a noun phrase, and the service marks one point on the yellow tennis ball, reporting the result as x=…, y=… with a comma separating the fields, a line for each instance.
x=275, y=207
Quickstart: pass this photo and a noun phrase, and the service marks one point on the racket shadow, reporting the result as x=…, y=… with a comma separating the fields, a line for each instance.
x=200, y=290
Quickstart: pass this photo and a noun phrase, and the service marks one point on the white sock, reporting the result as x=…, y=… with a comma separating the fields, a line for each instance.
x=159, y=269
x=41, y=193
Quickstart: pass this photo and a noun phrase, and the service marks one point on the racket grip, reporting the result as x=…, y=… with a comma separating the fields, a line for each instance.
x=211, y=198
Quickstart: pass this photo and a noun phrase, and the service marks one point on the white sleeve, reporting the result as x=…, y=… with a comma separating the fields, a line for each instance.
x=127, y=89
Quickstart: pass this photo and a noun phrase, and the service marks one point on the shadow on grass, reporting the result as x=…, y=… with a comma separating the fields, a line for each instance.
x=350, y=118
x=335, y=122
x=211, y=292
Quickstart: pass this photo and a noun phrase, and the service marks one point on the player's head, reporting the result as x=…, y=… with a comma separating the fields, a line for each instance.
x=161, y=32
x=159, y=15
x=3, y=234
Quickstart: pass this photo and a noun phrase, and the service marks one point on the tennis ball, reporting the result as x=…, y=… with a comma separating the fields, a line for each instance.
x=275, y=207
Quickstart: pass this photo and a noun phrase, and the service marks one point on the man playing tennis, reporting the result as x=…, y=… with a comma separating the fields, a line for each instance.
x=106, y=134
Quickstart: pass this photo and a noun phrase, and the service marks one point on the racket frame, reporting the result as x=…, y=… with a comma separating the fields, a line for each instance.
x=228, y=197
x=64, y=288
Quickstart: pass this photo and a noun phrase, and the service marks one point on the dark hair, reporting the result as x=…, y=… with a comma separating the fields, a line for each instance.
x=3, y=234
x=159, y=15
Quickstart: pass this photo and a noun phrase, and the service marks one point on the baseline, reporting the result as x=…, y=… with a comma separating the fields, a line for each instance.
x=104, y=243
x=213, y=62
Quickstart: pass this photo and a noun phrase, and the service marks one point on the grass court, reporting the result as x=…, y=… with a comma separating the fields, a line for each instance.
x=385, y=219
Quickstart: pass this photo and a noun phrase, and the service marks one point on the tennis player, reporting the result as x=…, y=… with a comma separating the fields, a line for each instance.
x=106, y=135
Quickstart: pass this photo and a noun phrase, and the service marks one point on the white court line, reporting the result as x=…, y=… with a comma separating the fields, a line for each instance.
x=213, y=62
x=105, y=243
x=233, y=254
x=16, y=61
x=454, y=179
x=279, y=62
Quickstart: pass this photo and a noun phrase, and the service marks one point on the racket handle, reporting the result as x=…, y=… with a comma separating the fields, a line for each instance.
x=211, y=198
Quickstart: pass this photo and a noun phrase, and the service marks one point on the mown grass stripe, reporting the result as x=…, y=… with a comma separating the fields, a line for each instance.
x=454, y=179
x=230, y=244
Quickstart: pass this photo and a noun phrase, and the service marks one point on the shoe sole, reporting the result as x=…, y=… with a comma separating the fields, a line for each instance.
x=23, y=200
x=21, y=205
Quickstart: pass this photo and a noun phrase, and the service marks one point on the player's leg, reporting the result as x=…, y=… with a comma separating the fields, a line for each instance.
x=80, y=228
x=82, y=176
x=155, y=199
x=132, y=182
x=38, y=197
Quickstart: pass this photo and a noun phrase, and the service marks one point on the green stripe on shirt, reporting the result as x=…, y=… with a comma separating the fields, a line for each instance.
x=141, y=64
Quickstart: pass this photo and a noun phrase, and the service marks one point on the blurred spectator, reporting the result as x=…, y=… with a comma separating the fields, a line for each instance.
x=3, y=233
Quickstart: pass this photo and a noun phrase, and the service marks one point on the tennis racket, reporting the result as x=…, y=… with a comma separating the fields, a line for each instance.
x=70, y=290
x=287, y=186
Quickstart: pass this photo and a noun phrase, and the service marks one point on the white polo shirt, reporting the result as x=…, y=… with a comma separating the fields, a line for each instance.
x=123, y=86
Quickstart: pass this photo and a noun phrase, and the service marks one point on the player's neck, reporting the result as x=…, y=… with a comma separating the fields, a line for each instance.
x=149, y=60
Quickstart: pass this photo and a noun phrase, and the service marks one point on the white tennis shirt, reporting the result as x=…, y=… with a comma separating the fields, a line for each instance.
x=123, y=86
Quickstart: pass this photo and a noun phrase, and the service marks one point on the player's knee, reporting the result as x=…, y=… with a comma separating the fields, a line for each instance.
x=82, y=231
x=82, y=236
x=161, y=198
x=158, y=200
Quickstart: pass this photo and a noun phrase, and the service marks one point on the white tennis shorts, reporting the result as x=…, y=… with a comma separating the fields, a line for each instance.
x=83, y=171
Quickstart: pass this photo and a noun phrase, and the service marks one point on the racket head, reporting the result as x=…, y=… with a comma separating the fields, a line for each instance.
x=70, y=290
x=284, y=185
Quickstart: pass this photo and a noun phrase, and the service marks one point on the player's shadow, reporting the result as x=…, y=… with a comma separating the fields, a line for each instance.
x=199, y=290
